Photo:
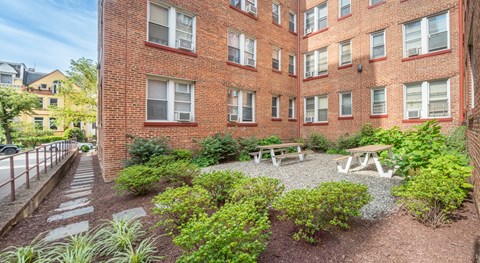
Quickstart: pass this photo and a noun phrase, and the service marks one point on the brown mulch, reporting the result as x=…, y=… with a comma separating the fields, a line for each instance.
x=395, y=238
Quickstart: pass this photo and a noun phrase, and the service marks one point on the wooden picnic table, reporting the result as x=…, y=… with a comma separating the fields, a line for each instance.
x=368, y=150
x=283, y=147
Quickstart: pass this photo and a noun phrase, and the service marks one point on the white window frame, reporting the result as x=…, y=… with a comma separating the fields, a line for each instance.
x=316, y=55
x=171, y=98
x=424, y=34
x=294, y=21
x=372, y=35
x=277, y=106
x=371, y=2
x=340, y=52
x=240, y=104
x=279, y=54
x=294, y=64
x=316, y=108
x=13, y=78
x=242, y=38
x=50, y=101
x=291, y=107
x=316, y=17
x=372, y=100
x=279, y=13
x=172, y=24
x=35, y=123
x=340, y=113
x=340, y=8
x=244, y=3
x=426, y=99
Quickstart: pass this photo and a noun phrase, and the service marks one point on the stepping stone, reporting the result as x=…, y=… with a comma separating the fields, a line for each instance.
x=71, y=213
x=81, y=182
x=84, y=176
x=68, y=230
x=79, y=194
x=73, y=204
x=84, y=171
x=130, y=213
x=81, y=186
x=79, y=189
x=78, y=180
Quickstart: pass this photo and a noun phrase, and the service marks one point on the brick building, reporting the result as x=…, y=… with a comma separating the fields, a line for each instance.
x=188, y=69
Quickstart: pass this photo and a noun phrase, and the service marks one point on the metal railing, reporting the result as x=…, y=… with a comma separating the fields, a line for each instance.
x=53, y=153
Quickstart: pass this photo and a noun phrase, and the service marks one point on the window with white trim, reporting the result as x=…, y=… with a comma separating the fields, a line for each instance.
x=170, y=100
x=345, y=52
x=316, y=109
x=53, y=102
x=426, y=35
x=291, y=108
x=344, y=8
x=346, y=104
x=276, y=58
x=276, y=13
x=275, y=107
x=374, y=2
x=56, y=86
x=379, y=101
x=241, y=49
x=249, y=6
x=292, y=64
x=316, y=63
x=377, y=45
x=6, y=78
x=428, y=99
x=316, y=18
x=241, y=105
x=52, y=122
x=171, y=27
x=38, y=123
x=292, y=21
x=41, y=105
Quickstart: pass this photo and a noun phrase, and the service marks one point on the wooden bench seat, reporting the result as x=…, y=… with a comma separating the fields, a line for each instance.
x=283, y=156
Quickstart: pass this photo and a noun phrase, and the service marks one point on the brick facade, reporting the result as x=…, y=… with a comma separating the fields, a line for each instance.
x=127, y=60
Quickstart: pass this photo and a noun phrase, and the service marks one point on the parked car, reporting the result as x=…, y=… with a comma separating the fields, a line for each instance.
x=9, y=149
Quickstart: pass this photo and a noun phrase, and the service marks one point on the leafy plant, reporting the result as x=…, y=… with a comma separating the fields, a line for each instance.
x=74, y=132
x=219, y=147
x=176, y=206
x=247, y=146
x=348, y=141
x=118, y=235
x=32, y=253
x=137, y=179
x=268, y=141
x=318, y=142
x=142, y=150
x=393, y=136
x=85, y=148
x=457, y=141
x=78, y=248
x=180, y=173
x=328, y=205
x=182, y=155
x=160, y=161
x=219, y=184
x=262, y=191
x=235, y=233
x=145, y=252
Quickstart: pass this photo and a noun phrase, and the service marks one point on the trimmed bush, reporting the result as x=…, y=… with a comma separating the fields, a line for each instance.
x=176, y=206
x=247, y=146
x=137, y=179
x=318, y=142
x=182, y=155
x=160, y=161
x=219, y=147
x=142, y=150
x=219, y=184
x=180, y=173
x=74, y=133
x=262, y=191
x=328, y=205
x=85, y=148
x=235, y=233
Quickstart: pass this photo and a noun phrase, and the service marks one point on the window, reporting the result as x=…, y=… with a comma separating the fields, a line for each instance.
x=43, y=86
x=52, y=123
x=346, y=53
x=275, y=107
x=170, y=100
x=316, y=63
x=56, y=86
x=53, y=102
x=241, y=106
x=292, y=22
x=377, y=45
x=38, y=123
x=292, y=64
x=426, y=35
x=316, y=18
x=345, y=8
x=241, y=49
x=249, y=6
x=379, y=101
x=316, y=109
x=346, y=104
x=291, y=108
x=40, y=100
x=6, y=79
x=171, y=27
x=276, y=58
x=374, y=2
x=428, y=99
x=276, y=13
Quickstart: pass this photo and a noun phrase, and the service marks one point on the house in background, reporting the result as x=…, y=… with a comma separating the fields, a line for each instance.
x=12, y=74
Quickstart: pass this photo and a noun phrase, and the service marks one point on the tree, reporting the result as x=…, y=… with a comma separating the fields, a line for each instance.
x=13, y=103
x=79, y=92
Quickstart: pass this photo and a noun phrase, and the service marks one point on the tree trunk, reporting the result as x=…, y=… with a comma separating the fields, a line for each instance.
x=8, y=136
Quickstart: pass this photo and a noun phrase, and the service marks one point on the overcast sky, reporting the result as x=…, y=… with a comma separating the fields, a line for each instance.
x=47, y=34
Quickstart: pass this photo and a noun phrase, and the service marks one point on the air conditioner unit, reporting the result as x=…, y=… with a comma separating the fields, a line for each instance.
x=309, y=74
x=413, y=52
x=182, y=88
x=251, y=9
x=413, y=114
x=184, y=44
x=250, y=62
x=182, y=116
x=308, y=31
x=232, y=117
x=309, y=119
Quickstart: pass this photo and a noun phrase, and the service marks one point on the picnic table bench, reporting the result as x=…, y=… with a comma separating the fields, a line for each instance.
x=368, y=150
x=282, y=149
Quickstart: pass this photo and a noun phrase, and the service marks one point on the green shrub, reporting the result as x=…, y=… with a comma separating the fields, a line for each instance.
x=182, y=155
x=328, y=205
x=393, y=136
x=337, y=151
x=457, y=141
x=219, y=184
x=31, y=142
x=142, y=150
x=262, y=191
x=219, y=147
x=137, y=179
x=247, y=145
x=160, y=161
x=451, y=166
x=348, y=141
x=318, y=142
x=235, y=233
x=202, y=161
x=74, y=133
x=270, y=140
x=176, y=206
x=180, y=173
x=85, y=148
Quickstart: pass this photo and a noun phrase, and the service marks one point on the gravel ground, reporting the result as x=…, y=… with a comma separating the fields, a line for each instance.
x=318, y=168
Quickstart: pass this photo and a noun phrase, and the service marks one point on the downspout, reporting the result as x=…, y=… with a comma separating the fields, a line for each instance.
x=125, y=85
x=461, y=61
x=298, y=71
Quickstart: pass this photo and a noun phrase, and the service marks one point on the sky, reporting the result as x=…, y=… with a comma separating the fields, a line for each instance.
x=47, y=34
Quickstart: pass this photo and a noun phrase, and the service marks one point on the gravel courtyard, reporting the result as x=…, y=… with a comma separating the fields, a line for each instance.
x=318, y=168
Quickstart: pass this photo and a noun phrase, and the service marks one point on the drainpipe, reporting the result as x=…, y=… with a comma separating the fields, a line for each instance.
x=461, y=60
x=299, y=99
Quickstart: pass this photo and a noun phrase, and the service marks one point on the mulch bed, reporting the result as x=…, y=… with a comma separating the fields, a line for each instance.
x=395, y=238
